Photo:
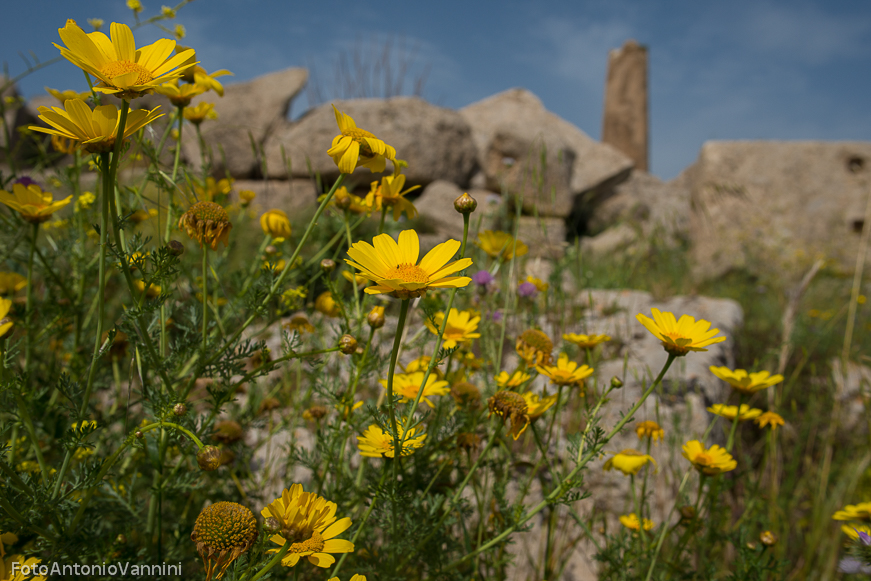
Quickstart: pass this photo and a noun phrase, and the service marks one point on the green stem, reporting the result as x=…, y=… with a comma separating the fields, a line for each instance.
x=273, y=561
x=383, y=215
x=338, y=566
x=28, y=316
x=31, y=431
x=566, y=484
x=734, y=429
x=205, y=291
x=397, y=437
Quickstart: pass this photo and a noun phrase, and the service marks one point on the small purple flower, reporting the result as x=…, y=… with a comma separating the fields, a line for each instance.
x=483, y=278
x=527, y=290
x=496, y=316
x=864, y=537
x=27, y=181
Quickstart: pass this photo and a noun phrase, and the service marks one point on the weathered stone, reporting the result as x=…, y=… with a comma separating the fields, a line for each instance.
x=646, y=203
x=624, y=123
x=516, y=121
x=614, y=239
x=763, y=205
x=436, y=142
x=546, y=237
x=854, y=395
x=250, y=110
x=436, y=208
x=290, y=196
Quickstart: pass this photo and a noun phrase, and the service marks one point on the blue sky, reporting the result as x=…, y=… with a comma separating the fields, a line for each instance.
x=726, y=70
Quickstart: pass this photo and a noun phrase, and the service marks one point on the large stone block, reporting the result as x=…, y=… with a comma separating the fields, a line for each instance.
x=624, y=124
x=765, y=205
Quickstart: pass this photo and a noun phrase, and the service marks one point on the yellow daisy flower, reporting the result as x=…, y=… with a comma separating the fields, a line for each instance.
x=275, y=223
x=712, y=461
x=5, y=323
x=422, y=364
x=326, y=304
x=461, y=327
x=853, y=531
x=566, y=372
x=535, y=405
x=585, y=341
x=200, y=112
x=375, y=443
x=207, y=223
x=19, y=562
x=358, y=148
x=649, y=429
x=746, y=383
x=769, y=419
x=630, y=521
x=197, y=75
x=180, y=95
x=511, y=407
x=308, y=522
x=11, y=282
x=406, y=385
x=498, y=244
x=730, y=411
x=628, y=461
x=343, y=200
x=95, y=129
x=394, y=269
x=32, y=203
x=120, y=67
x=299, y=323
x=513, y=381
x=858, y=512
x=679, y=337
x=64, y=96
x=356, y=577
x=389, y=194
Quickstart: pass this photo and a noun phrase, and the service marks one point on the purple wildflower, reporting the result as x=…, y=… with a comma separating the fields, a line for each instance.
x=527, y=290
x=483, y=278
x=27, y=181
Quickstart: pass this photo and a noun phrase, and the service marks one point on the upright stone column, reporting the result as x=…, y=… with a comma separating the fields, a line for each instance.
x=625, y=124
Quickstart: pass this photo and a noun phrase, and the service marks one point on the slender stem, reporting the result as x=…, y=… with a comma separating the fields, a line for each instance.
x=397, y=437
x=28, y=316
x=205, y=291
x=274, y=561
x=31, y=431
x=338, y=566
x=734, y=429
x=383, y=215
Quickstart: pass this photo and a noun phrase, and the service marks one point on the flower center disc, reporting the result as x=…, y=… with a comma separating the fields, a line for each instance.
x=704, y=459
x=313, y=545
x=407, y=273
x=118, y=68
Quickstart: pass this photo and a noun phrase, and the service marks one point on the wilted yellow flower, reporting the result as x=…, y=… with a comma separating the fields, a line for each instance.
x=534, y=347
x=121, y=68
x=769, y=419
x=712, y=461
x=649, y=429
x=585, y=341
x=374, y=443
x=64, y=96
x=511, y=407
x=275, y=223
x=628, y=461
x=200, y=112
x=222, y=532
x=406, y=385
x=630, y=521
x=5, y=323
x=730, y=411
x=32, y=203
x=11, y=282
x=461, y=327
x=300, y=324
x=394, y=269
x=513, y=381
x=679, y=337
x=247, y=196
x=96, y=23
x=566, y=372
x=746, y=383
x=859, y=512
x=535, y=405
x=96, y=129
x=358, y=148
x=343, y=200
x=389, y=194
x=308, y=522
x=207, y=223
x=498, y=244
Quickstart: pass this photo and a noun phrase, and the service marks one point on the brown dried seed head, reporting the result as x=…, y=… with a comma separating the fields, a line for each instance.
x=209, y=458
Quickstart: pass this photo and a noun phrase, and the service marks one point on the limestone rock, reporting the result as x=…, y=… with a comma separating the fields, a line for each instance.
x=765, y=205
x=436, y=142
x=511, y=128
x=436, y=208
x=290, y=196
x=546, y=237
x=255, y=107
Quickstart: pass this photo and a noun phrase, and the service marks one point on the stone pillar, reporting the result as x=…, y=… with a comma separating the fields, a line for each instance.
x=625, y=124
